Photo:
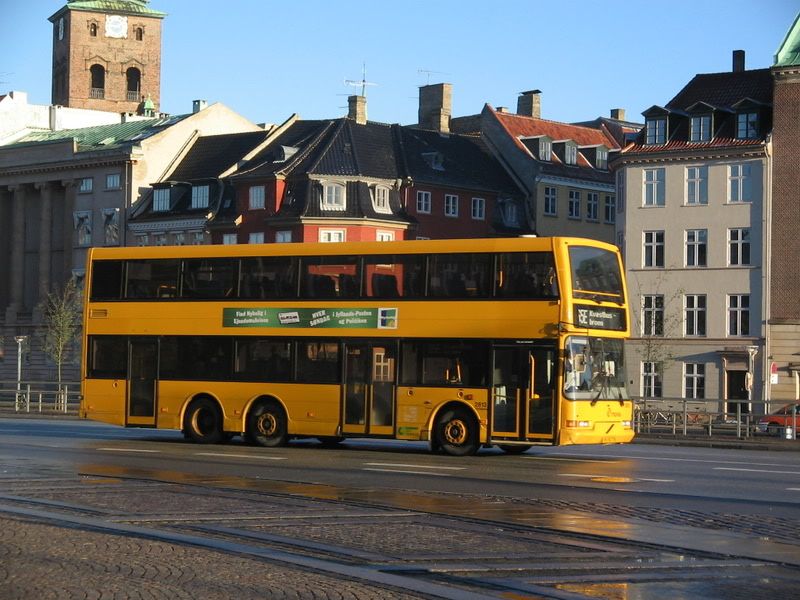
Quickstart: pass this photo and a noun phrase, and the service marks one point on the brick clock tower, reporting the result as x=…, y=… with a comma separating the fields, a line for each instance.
x=107, y=55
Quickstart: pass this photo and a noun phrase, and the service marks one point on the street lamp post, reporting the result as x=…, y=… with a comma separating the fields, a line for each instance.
x=20, y=339
x=751, y=355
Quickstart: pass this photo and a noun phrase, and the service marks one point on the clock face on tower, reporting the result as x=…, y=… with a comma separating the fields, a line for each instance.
x=116, y=26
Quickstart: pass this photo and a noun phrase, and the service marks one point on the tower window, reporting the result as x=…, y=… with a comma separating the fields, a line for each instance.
x=139, y=34
x=98, y=81
x=93, y=29
x=134, y=79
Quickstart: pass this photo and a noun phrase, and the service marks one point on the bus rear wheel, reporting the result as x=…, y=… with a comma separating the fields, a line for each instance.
x=203, y=422
x=457, y=432
x=266, y=426
x=514, y=448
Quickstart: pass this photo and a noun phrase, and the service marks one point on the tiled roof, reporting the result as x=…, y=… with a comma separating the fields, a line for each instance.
x=522, y=126
x=723, y=90
x=103, y=137
x=211, y=155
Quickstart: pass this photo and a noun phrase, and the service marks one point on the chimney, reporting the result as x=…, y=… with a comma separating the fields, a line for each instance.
x=502, y=109
x=738, y=61
x=357, y=109
x=198, y=105
x=435, y=106
x=618, y=114
x=529, y=104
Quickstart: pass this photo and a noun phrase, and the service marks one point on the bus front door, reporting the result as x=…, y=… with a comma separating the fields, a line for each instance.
x=523, y=392
x=369, y=388
x=142, y=375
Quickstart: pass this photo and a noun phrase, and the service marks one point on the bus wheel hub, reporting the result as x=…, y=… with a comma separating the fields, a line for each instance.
x=267, y=424
x=455, y=432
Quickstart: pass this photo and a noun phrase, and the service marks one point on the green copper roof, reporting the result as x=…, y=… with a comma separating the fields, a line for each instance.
x=103, y=137
x=128, y=7
x=788, y=53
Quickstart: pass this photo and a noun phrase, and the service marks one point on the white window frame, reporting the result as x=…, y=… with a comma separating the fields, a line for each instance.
x=700, y=128
x=479, y=209
x=697, y=185
x=113, y=181
x=654, y=186
x=574, y=204
x=696, y=248
x=545, y=149
x=380, y=199
x=740, y=188
x=230, y=239
x=570, y=154
x=738, y=315
x=602, y=159
x=652, y=315
x=738, y=241
x=451, y=205
x=334, y=196
x=384, y=236
x=694, y=380
x=85, y=185
x=161, y=199
x=652, y=242
x=255, y=237
x=652, y=381
x=283, y=237
x=695, y=306
x=423, y=202
x=332, y=235
x=656, y=130
x=200, y=194
x=256, y=197
x=592, y=206
x=551, y=201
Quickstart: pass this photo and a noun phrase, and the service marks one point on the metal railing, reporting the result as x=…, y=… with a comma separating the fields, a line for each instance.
x=40, y=397
x=693, y=417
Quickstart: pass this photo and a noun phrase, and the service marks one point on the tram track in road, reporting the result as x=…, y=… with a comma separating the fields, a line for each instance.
x=430, y=545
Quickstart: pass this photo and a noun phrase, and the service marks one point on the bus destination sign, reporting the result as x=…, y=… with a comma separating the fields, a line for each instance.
x=596, y=317
x=304, y=318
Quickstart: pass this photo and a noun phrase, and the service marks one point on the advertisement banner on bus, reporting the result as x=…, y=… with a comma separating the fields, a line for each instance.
x=346, y=318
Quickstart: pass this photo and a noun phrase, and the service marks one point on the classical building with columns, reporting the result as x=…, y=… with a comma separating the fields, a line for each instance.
x=64, y=191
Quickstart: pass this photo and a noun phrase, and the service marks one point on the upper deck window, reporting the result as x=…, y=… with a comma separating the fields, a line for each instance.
x=595, y=274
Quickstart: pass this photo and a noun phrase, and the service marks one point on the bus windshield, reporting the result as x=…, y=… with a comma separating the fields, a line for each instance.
x=595, y=274
x=594, y=369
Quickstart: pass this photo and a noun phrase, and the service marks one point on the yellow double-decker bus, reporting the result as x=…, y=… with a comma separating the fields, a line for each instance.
x=460, y=343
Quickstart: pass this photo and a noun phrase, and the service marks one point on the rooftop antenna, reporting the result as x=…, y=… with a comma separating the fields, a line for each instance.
x=363, y=83
x=428, y=74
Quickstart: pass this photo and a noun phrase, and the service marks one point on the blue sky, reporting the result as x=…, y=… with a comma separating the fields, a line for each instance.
x=267, y=59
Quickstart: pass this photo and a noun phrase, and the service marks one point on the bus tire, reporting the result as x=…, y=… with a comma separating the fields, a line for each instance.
x=330, y=441
x=457, y=432
x=266, y=426
x=514, y=448
x=203, y=422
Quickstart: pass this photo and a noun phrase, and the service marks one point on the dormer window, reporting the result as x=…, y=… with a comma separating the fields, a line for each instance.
x=509, y=212
x=747, y=125
x=199, y=196
x=545, y=148
x=380, y=199
x=333, y=196
x=656, y=130
x=700, y=128
x=570, y=153
x=602, y=158
x=435, y=160
x=160, y=199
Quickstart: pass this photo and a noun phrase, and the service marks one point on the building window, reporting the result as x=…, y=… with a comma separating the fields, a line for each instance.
x=159, y=239
x=111, y=226
x=653, y=249
x=199, y=196
x=694, y=378
x=98, y=75
x=545, y=149
x=694, y=315
x=230, y=239
x=651, y=379
x=333, y=196
x=161, y=199
x=93, y=29
x=60, y=27
x=113, y=181
x=256, y=196
x=283, y=237
x=656, y=130
x=740, y=189
x=179, y=238
x=139, y=33
x=384, y=236
x=738, y=314
x=570, y=154
x=574, y=205
x=82, y=221
x=654, y=187
x=331, y=235
x=256, y=237
x=510, y=215
x=739, y=246
x=592, y=203
x=380, y=199
x=696, y=247
x=478, y=209
x=652, y=315
x=450, y=205
x=700, y=128
x=747, y=125
x=85, y=185
x=602, y=158
x=551, y=201
x=141, y=240
x=424, y=202
x=697, y=185
x=198, y=238
x=133, y=77
x=610, y=209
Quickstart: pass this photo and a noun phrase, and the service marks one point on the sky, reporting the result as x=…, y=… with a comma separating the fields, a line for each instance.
x=268, y=60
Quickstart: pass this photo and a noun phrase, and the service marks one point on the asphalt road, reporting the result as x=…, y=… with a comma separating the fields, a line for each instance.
x=735, y=511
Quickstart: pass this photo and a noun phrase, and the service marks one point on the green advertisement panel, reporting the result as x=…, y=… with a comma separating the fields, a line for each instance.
x=315, y=318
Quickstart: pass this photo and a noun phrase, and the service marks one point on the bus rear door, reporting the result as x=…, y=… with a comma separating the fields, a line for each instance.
x=143, y=380
x=369, y=387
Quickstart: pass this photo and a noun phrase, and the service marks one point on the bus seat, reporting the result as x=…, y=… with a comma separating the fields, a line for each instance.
x=384, y=286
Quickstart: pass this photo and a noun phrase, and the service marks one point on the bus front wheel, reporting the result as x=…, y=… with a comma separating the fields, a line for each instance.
x=266, y=426
x=457, y=432
x=203, y=422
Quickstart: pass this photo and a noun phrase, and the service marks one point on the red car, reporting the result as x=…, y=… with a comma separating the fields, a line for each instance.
x=775, y=423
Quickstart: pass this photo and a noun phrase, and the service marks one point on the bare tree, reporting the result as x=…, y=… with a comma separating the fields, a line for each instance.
x=61, y=319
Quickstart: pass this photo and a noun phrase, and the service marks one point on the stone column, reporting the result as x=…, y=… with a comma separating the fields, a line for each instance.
x=17, y=270
x=70, y=192
x=45, y=237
